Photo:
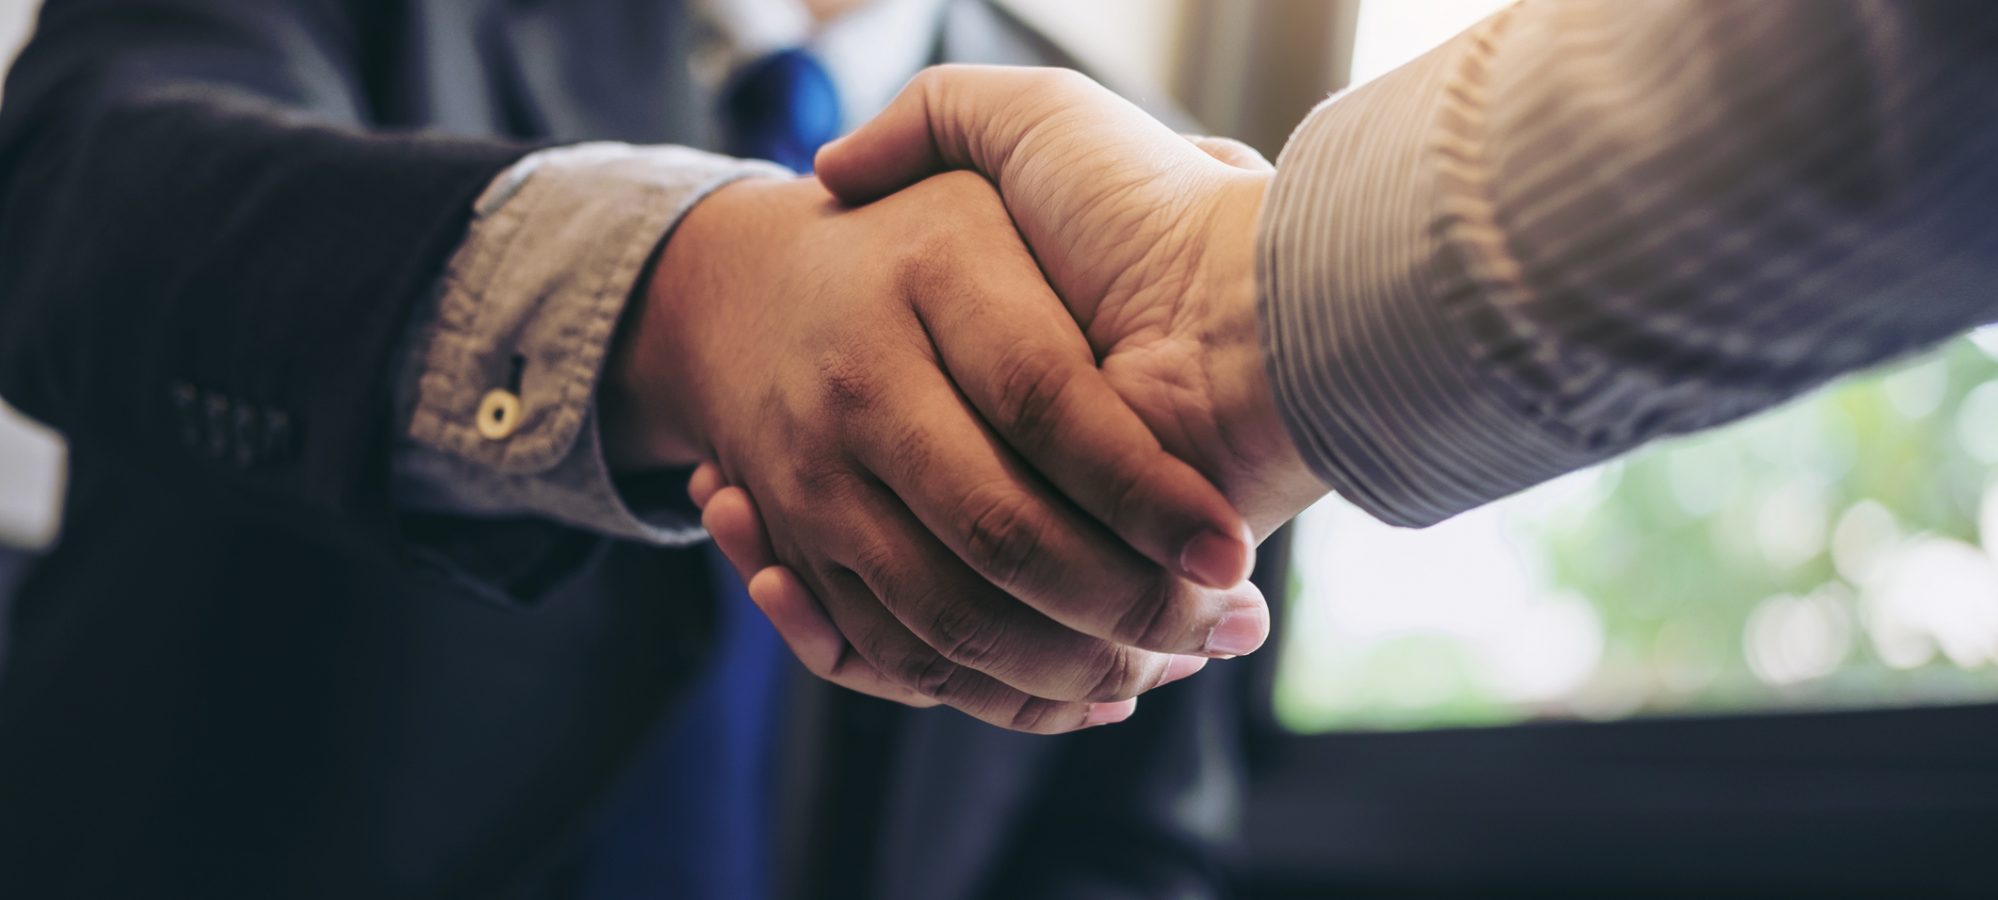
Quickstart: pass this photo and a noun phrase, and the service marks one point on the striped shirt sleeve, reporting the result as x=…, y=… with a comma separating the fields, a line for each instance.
x=1582, y=225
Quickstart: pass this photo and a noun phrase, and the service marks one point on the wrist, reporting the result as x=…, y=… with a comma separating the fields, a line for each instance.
x=1274, y=482
x=646, y=400
x=638, y=434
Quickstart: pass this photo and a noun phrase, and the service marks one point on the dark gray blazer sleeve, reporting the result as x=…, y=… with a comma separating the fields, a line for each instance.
x=1585, y=224
x=207, y=252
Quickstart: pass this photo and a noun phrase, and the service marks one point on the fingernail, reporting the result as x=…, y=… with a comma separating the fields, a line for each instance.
x=1238, y=633
x=1182, y=666
x=1214, y=559
x=1109, y=713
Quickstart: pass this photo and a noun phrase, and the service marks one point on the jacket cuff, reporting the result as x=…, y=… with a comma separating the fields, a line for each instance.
x=499, y=386
x=1374, y=240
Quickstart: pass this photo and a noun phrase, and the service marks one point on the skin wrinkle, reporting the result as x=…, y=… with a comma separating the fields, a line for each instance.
x=1029, y=405
x=1131, y=227
x=999, y=532
x=1032, y=129
x=1150, y=616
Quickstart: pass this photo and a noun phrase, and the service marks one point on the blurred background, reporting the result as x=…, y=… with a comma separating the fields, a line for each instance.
x=1432, y=716
x=1827, y=555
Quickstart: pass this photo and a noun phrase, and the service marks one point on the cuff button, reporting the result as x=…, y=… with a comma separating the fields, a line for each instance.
x=499, y=415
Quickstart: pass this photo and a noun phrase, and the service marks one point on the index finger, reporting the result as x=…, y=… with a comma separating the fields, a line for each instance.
x=1014, y=352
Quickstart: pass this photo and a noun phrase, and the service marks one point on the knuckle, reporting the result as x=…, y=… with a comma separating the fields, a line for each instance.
x=1126, y=674
x=870, y=641
x=931, y=78
x=1033, y=382
x=1128, y=491
x=879, y=565
x=820, y=475
x=1039, y=716
x=938, y=86
x=847, y=383
x=1002, y=536
x=925, y=268
x=912, y=450
x=1155, y=618
x=927, y=673
x=846, y=663
x=965, y=637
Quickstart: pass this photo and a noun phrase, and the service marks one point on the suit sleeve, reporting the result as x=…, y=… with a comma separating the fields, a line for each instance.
x=1585, y=224
x=206, y=253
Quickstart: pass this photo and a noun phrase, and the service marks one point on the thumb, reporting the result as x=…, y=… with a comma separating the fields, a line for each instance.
x=968, y=117
x=930, y=127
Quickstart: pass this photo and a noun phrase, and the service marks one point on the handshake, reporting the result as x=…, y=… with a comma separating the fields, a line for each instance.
x=1000, y=439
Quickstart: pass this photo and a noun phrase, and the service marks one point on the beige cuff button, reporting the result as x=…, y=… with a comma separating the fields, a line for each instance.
x=499, y=415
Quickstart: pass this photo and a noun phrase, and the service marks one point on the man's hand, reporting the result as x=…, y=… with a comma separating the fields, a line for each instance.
x=1147, y=237
x=1149, y=240
x=939, y=460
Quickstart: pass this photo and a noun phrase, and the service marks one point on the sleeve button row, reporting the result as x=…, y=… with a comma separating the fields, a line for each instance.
x=227, y=430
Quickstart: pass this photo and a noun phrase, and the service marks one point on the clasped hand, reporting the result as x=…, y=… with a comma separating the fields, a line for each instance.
x=1023, y=479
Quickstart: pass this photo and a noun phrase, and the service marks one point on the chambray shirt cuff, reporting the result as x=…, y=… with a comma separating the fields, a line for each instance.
x=526, y=312
x=1373, y=239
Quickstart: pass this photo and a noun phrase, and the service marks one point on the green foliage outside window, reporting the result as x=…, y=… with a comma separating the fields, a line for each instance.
x=1825, y=555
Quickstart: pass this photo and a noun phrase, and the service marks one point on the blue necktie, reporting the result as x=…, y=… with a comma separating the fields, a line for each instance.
x=782, y=108
x=695, y=817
